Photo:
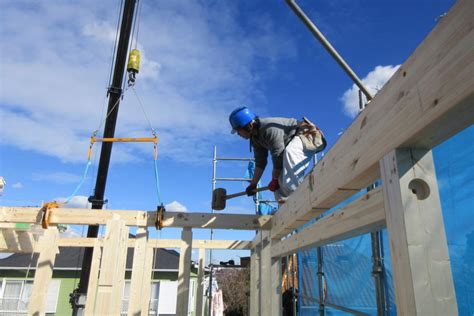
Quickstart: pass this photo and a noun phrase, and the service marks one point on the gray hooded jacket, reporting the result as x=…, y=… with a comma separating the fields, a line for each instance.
x=273, y=135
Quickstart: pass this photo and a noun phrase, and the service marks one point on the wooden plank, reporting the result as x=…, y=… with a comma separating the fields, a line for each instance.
x=427, y=100
x=255, y=278
x=200, y=279
x=148, y=271
x=203, y=244
x=78, y=216
x=93, y=280
x=265, y=275
x=112, y=272
x=421, y=267
x=182, y=302
x=48, y=249
x=139, y=278
x=16, y=241
x=276, y=293
x=361, y=216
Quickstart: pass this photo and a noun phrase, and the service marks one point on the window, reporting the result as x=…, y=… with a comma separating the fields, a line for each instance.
x=15, y=296
x=154, y=298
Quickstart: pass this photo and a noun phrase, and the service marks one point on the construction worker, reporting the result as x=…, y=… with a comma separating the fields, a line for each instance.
x=291, y=143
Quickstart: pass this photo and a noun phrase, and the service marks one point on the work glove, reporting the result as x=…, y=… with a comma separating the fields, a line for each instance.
x=250, y=190
x=273, y=185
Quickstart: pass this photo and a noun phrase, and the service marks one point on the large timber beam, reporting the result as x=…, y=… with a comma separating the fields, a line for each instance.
x=23, y=242
x=71, y=216
x=366, y=214
x=428, y=100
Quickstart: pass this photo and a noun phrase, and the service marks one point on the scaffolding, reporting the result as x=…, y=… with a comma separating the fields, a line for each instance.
x=428, y=100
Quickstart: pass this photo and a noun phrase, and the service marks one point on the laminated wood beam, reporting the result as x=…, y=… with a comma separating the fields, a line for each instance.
x=48, y=249
x=112, y=269
x=78, y=216
x=93, y=279
x=428, y=100
x=200, y=279
x=139, y=278
x=361, y=216
x=422, y=274
x=255, y=278
x=16, y=241
x=182, y=302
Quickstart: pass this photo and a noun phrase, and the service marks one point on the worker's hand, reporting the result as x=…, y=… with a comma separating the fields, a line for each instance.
x=274, y=185
x=250, y=190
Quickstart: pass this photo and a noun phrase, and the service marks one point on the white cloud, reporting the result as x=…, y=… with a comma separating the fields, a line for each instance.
x=374, y=81
x=175, y=206
x=78, y=201
x=17, y=185
x=198, y=63
x=56, y=177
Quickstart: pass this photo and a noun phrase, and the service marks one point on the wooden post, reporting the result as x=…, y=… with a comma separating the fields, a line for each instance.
x=266, y=290
x=200, y=290
x=148, y=273
x=112, y=271
x=93, y=280
x=421, y=266
x=139, y=278
x=255, y=280
x=47, y=248
x=275, y=295
x=184, y=272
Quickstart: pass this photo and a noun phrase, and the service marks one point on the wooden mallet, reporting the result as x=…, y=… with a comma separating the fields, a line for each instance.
x=219, y=197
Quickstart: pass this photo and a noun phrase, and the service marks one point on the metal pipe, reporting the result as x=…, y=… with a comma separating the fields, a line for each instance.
x=378, y=273
x=320, y=281
x=236, y=159
x=214, y=171
x=233, y=179
x=331, y=50
x=115, y=93
x=293, y=270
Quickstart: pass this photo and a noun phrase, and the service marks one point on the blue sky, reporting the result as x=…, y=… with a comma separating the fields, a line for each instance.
x=200, y=60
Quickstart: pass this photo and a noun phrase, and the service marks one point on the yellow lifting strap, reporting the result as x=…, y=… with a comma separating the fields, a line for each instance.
x=46, y=212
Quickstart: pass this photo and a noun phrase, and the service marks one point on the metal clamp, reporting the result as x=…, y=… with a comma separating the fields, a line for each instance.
x=160, y=216
x=46, y=213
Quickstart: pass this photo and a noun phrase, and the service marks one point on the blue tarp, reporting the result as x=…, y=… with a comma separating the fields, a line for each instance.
x=348, y=264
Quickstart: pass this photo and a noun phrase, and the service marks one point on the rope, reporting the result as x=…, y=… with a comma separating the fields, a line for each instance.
x=142, y=107
x=157, y=178
x=84, y=175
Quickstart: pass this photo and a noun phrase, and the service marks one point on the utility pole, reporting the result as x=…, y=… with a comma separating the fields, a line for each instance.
x=78, y=298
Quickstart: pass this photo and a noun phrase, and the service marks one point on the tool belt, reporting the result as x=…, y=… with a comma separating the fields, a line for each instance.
x=311, y=136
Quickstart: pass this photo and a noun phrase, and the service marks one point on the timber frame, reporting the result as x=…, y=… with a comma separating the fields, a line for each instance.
x=428, y=100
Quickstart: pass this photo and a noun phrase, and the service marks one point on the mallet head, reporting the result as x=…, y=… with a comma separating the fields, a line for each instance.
x=219, y=199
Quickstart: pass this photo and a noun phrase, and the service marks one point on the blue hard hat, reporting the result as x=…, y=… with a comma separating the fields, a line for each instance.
x=240, y=117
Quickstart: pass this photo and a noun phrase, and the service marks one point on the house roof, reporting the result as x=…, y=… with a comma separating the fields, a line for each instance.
x=70, y=258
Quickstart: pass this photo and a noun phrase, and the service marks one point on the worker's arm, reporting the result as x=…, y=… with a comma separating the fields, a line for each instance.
x=257, y=175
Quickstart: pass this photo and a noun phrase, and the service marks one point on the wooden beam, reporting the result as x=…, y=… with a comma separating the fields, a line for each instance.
x=361, y=216
x=48, y=249
x=200, y=279
x=182, y=302
x=202, y=244
x=276, y=293
x=22, y=242
x=421, y=266
x=148, y=271
x=428, y=100
x=255, y=279
x=17, y=241
x=78, y=216
x=112, y=271
x=93, y=280
x=139, y=278
x=267, y=291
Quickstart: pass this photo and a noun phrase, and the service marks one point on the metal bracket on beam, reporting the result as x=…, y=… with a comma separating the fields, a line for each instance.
x=46, y=213
x=160, y=215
